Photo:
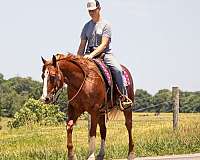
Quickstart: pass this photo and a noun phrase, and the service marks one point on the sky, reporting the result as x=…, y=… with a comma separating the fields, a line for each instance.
x=158, y=40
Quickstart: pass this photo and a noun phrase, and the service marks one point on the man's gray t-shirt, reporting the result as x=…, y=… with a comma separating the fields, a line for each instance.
x=93, y=33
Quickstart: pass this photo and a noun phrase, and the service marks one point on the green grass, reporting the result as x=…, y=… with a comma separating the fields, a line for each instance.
x=153, y=135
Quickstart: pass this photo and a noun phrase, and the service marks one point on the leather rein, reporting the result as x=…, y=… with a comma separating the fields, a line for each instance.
x=80, y=88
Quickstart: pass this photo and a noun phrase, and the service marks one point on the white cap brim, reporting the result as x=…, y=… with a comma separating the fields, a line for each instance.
x=92, y=8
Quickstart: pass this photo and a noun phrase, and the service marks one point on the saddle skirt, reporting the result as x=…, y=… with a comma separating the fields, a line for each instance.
x=106, y=73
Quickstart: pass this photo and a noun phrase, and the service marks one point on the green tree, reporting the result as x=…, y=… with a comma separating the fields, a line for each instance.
x=15, y=91
x=190, y=102
x=1, y=78
x=26, y=86
x=34, y=111
x=10, y=103
x=143, y=101
x=162, y=100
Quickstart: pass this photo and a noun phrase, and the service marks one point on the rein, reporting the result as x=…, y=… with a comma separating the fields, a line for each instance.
x=55, y=88
x=57, y=96
x=74, y=62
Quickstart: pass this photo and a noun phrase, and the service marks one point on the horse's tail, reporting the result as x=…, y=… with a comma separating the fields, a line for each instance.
x=113, y=114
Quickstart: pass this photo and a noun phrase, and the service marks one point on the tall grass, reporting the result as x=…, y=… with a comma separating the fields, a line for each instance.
x=153, y=135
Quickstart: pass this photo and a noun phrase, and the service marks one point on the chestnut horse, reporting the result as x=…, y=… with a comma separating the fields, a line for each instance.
x=86, y=92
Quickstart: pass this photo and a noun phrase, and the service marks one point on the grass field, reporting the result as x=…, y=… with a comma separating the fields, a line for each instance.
x=153, y=135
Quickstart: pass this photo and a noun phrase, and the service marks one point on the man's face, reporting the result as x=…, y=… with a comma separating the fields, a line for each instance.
x=94, y=14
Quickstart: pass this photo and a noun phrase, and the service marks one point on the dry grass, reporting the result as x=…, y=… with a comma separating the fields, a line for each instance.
x=153, y=135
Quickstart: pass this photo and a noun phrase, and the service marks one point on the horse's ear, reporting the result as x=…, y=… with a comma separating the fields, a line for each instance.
x=43, y=60
x=54, y=60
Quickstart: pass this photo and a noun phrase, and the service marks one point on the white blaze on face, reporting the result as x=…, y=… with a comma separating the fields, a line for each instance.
x=46, y=75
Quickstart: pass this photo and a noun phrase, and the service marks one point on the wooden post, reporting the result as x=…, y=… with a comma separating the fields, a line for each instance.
x=175, y=106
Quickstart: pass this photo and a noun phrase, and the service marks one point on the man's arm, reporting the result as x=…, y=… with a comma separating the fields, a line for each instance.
x=81, y=48
x=104, y=43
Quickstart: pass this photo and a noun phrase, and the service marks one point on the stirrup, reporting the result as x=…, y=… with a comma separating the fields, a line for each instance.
x=125, y=103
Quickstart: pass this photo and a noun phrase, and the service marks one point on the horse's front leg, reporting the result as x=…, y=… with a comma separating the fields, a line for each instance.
x=70, y=122
x=92, y=135
x=70, y=147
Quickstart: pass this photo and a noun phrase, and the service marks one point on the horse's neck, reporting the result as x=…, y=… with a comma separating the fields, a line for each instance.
x=73, y=73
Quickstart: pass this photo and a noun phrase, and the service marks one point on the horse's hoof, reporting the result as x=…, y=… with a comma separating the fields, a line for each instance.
x=72, y=157
x=91, y=157
x=100, y=157
x=131, y=156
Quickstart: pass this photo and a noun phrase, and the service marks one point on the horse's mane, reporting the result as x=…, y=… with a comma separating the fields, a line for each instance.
x=69, y=56
x=86, y=64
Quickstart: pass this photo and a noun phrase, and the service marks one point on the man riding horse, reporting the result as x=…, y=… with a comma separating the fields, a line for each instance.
x=96, y=34
x=86, y=88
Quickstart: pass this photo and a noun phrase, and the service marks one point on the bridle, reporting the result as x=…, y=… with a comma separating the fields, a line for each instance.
x=56, y=88
x=57, y=81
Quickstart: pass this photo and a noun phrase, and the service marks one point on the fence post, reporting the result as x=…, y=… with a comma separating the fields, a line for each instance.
x=175, y=106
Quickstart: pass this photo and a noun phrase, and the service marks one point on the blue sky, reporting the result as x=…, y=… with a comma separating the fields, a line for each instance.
x=158, y=40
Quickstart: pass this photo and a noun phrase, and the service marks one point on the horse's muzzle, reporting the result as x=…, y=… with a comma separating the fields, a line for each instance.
x=46, y=99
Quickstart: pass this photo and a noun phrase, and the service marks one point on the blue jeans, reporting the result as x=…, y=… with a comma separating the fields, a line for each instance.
x=116, y=71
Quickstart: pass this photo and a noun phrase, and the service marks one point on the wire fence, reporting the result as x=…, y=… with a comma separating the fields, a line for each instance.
x=146, y=126
x=145, y=121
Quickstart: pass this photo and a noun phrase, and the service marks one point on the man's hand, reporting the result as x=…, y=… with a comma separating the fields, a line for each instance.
x=88, y=56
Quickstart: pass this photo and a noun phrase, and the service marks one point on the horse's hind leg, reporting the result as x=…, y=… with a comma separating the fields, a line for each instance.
x=102, y=125
x=128, y=123
x=92, y=136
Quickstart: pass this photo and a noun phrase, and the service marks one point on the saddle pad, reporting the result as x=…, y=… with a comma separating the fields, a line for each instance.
x=104, y=71
x=126, y=78
x=107, y=74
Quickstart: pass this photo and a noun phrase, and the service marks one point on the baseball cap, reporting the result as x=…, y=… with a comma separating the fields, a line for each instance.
x=93, y=4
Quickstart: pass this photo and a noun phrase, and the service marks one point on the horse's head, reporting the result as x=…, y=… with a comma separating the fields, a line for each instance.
x=53, y=80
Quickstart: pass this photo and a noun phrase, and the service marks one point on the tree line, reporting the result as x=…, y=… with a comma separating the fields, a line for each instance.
x=14, y=92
